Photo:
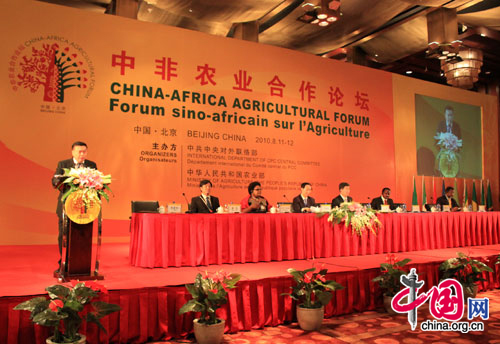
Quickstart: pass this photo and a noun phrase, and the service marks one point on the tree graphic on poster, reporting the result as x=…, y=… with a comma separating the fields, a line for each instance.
x=53, y=70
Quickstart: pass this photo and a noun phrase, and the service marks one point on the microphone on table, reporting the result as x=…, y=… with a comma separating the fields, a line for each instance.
x=286, y=198
x=187, y=202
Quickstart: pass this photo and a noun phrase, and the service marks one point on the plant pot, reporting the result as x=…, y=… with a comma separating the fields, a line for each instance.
x=82, y=340
x=310, y=319
x=470, y=293
x=388, y=301
x=209, y=334
x=387, y=305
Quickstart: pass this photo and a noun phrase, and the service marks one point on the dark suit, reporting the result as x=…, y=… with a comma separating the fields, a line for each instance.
x=442, y=201
x=298, y=203
x=337, y=201
x=377, y=203
x=455, y=128
x=57, y=183
x=198, y=205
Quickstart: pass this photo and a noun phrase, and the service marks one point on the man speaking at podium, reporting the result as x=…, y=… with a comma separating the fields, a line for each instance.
x=79, y=153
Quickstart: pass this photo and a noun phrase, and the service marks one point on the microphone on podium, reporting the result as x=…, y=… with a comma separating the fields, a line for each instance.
x=286, y=198
x=187, y=202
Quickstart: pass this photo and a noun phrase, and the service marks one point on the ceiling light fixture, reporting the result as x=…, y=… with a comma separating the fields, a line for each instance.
x=322, y=14
x=463, y=71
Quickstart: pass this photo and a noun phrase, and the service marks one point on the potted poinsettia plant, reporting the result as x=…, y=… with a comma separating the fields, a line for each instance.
x=208, y=294
x=360, y=218
x=314, y=292
x=66, y=307
x=390, y=279
x=466, y=270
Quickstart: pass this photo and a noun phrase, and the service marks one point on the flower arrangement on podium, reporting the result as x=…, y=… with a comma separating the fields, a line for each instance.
x=208, y=294
x=82, y=199
x=66, y=307
x=448, y=155
x=359, y=217
x=314, y=292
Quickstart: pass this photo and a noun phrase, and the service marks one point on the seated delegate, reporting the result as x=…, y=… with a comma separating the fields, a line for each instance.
x=254, y=202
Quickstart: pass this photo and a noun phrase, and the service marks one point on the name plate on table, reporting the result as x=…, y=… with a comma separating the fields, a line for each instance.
x=174, y=208
x=415, y=208
x=325, y=207
x=285, y=207
x=446, y=208
x=234, y=208
x=482, y=208
x=385, y=208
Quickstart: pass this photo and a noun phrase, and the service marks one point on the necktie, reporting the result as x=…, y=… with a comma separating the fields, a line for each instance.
x=385, y=201
x=449, y=202
x=209, y=204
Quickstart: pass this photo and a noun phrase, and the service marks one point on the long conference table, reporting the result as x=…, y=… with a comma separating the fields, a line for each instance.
x=174, y=240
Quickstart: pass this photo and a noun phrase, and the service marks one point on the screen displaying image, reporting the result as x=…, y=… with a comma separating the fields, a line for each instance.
x=448, y=138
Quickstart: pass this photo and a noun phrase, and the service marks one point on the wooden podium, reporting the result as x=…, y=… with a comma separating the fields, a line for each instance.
x=76, y=260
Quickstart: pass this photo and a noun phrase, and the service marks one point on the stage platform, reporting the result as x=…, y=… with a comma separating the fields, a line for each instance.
x=151, y=298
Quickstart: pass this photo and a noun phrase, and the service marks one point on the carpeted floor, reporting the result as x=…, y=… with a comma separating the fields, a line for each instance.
x=372, y=328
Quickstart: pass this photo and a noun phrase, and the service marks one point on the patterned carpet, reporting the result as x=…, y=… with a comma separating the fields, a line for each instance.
x=372, y=327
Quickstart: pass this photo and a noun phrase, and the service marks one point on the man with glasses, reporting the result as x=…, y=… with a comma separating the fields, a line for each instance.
x=205, y=203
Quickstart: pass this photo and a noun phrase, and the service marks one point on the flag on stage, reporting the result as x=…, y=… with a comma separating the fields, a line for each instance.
x=482, y=194
x=424, y=194
x=456, y=197
x=414, y=200
x=444, y=189
x=466, y=200
x=474, y=195
x=489, y=199
x=434, y=193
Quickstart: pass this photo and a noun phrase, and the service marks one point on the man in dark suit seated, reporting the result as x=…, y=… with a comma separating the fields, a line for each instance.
x=204, y=203
x=384, y=199
x=344, y=190
x=303, y=203
x=79, y=159
x=447, y=199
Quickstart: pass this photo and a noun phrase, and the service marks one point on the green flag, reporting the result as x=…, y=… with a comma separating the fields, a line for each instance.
x=482, y=193
x=466, y=200
x=424, y=194
x=474, y=196
x=414, y=200
x=456, y=197
x=489, y=199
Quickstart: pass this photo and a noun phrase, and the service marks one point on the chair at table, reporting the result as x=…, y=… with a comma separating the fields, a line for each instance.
x=143, y=207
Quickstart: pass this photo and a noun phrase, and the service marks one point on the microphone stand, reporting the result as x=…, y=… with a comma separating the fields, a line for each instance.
x=187, y=202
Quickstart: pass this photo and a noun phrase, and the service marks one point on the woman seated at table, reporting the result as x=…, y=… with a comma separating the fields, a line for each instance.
x=255, y=202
